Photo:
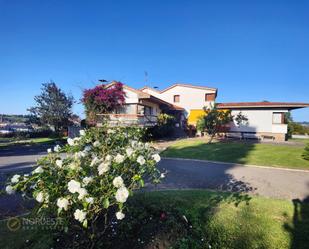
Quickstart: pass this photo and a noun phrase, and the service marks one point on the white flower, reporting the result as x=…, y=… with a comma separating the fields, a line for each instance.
x=76, y=140
x=82, y=132
x=63, y=203
x=57, y=148
x=79, y=215
x=110, y=131
x=39, y=197
x=147, y=145
x=74, y=165
x=38, y=170
x=119, y=158
x=156, y=157
x=59, y=163
x=46, y=197
x=120, y=215
x=96, y=144
x=15, y=178
x=89, y=200
x=118, y=182
x=87, y=148
x=70, y=141
x=129, y=152
x=82, y=193
x=87, y=180
x=80, y=154
x=73, y=186
x=134, y=144
x=9, y=190
x=103, y=167
x=94, y=161
x=108, y=158
x=141, y=160
x=140, y=145
x=162, y=175
x=49, y=150
x=122, y=194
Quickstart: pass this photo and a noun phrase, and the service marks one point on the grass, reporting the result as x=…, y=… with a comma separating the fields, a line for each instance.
x=193, y=219
x=300, y=140
x=6, y=142
x=287, y=156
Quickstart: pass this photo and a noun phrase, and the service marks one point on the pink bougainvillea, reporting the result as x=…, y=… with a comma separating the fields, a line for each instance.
x=103, y=99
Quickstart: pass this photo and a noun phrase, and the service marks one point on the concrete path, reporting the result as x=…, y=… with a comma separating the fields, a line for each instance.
x=269, y=182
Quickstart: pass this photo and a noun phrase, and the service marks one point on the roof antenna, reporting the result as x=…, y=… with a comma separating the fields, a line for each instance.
x=146, y=77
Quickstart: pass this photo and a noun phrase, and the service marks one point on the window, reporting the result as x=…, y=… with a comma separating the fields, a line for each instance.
x=210, y=97
x=176, y=98
x=147, y=110
x=278, y=118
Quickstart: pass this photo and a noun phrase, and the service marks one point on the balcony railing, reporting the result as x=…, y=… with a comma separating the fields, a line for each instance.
x=127, y=119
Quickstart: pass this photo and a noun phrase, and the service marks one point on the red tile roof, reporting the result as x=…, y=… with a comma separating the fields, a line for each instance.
x=263, y=104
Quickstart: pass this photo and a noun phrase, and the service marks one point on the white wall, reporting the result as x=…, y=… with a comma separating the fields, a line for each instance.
x=259, y=121
x=190, y=98
x=130, y=97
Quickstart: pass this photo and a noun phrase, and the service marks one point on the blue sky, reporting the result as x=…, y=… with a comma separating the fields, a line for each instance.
x=250, y=50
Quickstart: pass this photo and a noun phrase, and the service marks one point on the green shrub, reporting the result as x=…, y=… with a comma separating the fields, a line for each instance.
x=164, y=127
x=306, y=153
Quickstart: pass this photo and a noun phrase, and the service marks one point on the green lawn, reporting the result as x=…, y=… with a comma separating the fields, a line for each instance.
x=5, y=142
x=287, y=156
x=192, y=219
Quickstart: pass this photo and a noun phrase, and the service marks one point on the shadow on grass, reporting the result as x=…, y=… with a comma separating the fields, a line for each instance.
x=170, y=219
x=299, y=230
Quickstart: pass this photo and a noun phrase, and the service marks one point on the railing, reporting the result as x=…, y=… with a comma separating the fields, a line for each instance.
x=128, y=119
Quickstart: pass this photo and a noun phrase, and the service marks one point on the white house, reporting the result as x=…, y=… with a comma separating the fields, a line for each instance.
x=186, y=103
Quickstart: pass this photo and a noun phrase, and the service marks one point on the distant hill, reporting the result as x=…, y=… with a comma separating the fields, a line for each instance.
x=304, y=123
x=11, y=118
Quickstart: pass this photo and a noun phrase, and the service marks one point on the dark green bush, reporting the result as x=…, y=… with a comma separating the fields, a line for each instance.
x=306, y=153
x=164, y=128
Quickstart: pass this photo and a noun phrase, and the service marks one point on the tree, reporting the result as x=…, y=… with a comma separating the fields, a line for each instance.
x=214, y=120
x=289, y=120
x=53, y=107
x=241, y=119
x=102, y=99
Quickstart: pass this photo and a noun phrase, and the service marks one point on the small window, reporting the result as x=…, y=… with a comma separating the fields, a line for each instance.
x=176, y=98
x=209, y=97
x=278, y=118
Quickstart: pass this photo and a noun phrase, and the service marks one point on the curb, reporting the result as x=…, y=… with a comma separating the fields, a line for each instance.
x=237, y=164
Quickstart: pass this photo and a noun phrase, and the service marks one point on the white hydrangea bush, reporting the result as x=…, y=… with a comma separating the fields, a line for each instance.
x=93, y=174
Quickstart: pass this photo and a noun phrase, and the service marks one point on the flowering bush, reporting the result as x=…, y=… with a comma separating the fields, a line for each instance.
x=90, y=177
x=103, y=100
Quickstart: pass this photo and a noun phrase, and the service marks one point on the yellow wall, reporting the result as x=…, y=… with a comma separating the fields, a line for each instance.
x=194, y=115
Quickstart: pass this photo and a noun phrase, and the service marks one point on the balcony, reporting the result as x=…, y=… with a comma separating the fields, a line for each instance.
x=127, y=119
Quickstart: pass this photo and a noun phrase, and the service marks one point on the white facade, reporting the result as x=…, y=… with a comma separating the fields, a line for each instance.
x=130, y=96
x=190, y=97
x=259, y=121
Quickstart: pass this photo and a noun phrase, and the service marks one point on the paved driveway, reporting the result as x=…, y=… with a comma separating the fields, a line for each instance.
x=180, y=174
x=270, y=182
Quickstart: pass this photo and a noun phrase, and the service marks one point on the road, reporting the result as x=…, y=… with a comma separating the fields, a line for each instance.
x=181, y=174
